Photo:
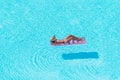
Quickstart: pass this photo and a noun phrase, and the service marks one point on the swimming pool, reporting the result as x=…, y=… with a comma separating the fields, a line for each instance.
x=27, y=26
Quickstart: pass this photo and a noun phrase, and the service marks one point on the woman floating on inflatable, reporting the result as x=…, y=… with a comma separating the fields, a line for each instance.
x=69, y=40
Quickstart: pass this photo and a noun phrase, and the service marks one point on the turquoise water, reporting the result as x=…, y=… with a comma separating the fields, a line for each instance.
x=26, y=27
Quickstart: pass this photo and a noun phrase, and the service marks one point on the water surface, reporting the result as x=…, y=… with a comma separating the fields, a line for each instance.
x=26, y=27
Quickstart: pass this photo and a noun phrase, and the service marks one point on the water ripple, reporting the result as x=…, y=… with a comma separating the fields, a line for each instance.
x=91, y=71
x=46, y=60
x=73, y=73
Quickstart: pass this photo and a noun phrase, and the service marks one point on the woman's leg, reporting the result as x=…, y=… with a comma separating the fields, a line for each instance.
x=67, y=39
x=71, y=36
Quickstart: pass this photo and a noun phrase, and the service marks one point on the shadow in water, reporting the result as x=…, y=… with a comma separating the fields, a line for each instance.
x=80, y=55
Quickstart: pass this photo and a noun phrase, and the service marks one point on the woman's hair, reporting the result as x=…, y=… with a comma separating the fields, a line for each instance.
x=53, y=40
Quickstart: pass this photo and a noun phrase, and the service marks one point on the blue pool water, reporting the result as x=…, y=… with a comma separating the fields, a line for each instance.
x=26, y=27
